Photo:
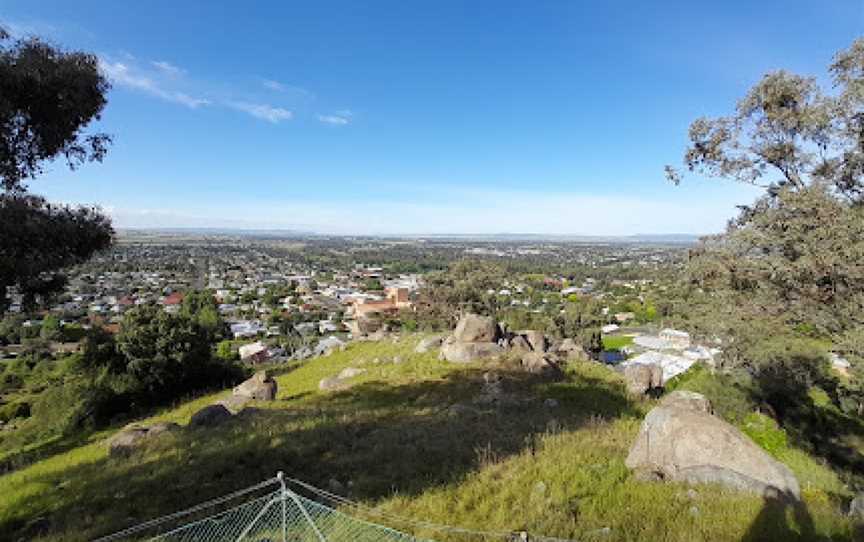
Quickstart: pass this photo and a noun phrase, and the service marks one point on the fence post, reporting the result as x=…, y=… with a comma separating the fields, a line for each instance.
x=283, y=497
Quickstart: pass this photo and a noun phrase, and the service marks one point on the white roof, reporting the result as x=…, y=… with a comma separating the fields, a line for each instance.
x=249, y=350
x=672, y=366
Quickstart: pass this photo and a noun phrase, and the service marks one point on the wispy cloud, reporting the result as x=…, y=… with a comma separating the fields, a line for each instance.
x=274, y=85
x=168, y=68
x=266, y=112
x=163, y=80
x=126, y=76
x=339, y=118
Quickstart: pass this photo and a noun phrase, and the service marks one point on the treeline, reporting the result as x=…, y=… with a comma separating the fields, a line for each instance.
x=156, y=359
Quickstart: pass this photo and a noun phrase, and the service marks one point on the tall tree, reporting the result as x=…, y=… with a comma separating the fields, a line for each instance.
x=47, y=97
x=792, y=258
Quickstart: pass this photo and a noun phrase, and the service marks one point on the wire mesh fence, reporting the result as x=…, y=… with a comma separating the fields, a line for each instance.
x=272, y=512
x=279, y=515
x=282, y=516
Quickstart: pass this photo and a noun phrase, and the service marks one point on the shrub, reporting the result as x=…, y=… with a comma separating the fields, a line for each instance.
x=765, y=432
x=14, y=410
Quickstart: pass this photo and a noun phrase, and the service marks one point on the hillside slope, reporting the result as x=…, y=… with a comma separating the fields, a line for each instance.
x=396, y=441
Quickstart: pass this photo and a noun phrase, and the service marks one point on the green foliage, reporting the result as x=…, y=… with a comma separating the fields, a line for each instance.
x=201, y=307
x=730, y=396
x=72, y=333
x=10, y=329
x=168, y=355
x=17, y=409
x=225, y=351
x=464, y=287
x=616, y=342
x=765, y=432
x=789, y=264
x=580, y=321
x=373, y=285
x=562, y=469
x=51, y=329
x=49, y=96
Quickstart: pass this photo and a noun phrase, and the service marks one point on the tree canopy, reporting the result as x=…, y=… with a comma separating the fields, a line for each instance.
x=47, y=97
x=789, y=265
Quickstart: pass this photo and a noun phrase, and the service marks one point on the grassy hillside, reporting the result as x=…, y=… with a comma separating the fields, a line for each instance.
x=396, y=441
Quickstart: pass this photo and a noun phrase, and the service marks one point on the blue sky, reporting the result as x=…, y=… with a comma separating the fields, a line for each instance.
x=421, y=117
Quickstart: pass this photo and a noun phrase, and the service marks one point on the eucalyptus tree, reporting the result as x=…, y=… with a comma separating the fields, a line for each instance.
x=47, y=97
x=791, y=261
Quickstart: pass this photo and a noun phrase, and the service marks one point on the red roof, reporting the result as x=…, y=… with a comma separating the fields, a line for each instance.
x=174, y=299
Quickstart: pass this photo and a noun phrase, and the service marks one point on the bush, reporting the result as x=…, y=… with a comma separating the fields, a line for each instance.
x=14, y=410
x=765, y=432
x=730, y=396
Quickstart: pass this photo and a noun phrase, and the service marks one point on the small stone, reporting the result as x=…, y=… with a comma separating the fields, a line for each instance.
x=397, y=359
x=694, y=511
x=550, y=403
x=335, y=486
x=692, y=494
x=490, y=377
x=540, y=488
x=350, y=372
x=856, y=507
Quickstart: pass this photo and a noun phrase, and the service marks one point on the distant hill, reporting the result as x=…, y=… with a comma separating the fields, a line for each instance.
x=669, y=238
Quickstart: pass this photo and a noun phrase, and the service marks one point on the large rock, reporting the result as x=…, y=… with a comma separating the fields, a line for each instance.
x=126, y=441
x=519, y=344
x=540, y=363
x=465, y=352
x=350, y=372
x=536, y=339
x=569, y=346
x=856, y=507
x=261, y=387
x=333, y=383
x=132, y=437
x=679, y=442
x=162, y=427
x=235, y=403
x=641, y=378
x=473, y=328
x=210, y=415
x=428, y=344
x=688, y=400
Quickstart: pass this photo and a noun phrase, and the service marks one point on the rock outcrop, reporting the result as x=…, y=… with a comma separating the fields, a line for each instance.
x=473, y=328
x=350, y=372
x=540, y=363
x=261, y=387
x=465, y=352
x=856, y=507
x=689, y=400
x=569, y=347
x=132, y=437
x=474, y=337
x=428, y=344
x=478, y=337
x=519, y=344
x=333, y=383
x=210, y=415
x=641, y=378
x=536, y=340
x=679, y=441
